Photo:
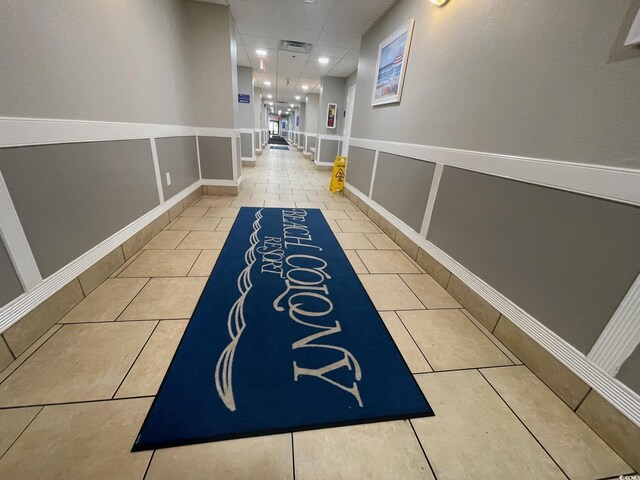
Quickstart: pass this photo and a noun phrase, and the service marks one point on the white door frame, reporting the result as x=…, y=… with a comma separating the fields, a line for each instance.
x=351, y=96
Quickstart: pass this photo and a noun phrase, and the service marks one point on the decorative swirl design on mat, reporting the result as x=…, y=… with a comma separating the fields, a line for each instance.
x=236, y=323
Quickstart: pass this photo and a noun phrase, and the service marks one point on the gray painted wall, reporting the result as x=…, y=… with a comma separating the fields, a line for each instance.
x=311, y=113
x=148, y=61
x=216, y=160
x=238, y=158
x=179, y=157
x=246, y=145
x=328, y=151
x=303, y=113
x=245, y=85
x=629, y=373
x=541, y=79
x=332, y=90
x=350, y=81
x=311, y=141
x=85, y=193
x=402, y=186
x=360, y=168
x=11, y=286
x=566, y=259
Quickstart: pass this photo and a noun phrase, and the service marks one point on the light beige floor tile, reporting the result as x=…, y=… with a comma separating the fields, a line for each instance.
x=126, y=264
x=474, y=434
x=252, y=458
x=223, y=212
x=215, y=202
x=572, y=444
x=451, y=341
x=429, y=291
x=147, y=372
x=334, y=226
x=80, y=441
x=162, y=263
x=102, y=269
x=357, y=215
x=294, y=198
x=389, y=292
x=493, y=338
x=310, y=205
x=166, y=240
x=357, y=226
x=194, y=211
x=204, y=241
x=265, y=196
x=78, y=363
x=340, y=206
x=474, y=303
x=225, y=225
x=247, y=202
x=382, y=242
x=387, y=261
x=280, y=203
x=355, y=261
x=165, y=298
x=27, y=353
x=204, y=264
x=353, y=241
x=12, y=423
x=335, y=215
x=387, y=450
x=195, y=224
x=107, y=301
x=319, y=198
x=410, y=351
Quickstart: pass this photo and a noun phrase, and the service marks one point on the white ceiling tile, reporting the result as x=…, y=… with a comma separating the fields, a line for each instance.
x=299, y=34
x=259, y=42
x=243, y=59
x=337, y=40
x=327, y=51
x=293, y=57
x=355, y=25
x=257, y=29
x=257, y=12
x=371, y=9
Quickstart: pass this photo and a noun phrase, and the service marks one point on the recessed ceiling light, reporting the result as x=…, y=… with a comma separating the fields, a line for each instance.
x=269, y=96
x=297, y=97
x=323, y=60
x=261, y=52
x=291, y=105
x=271, y=103
x=267, y=83
x=305, y=87
x=279, y=112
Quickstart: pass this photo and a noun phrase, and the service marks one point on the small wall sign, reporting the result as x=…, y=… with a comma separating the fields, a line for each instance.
x=244, y=98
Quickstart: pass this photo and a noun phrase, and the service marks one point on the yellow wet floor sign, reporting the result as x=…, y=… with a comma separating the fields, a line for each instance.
x=338, y=174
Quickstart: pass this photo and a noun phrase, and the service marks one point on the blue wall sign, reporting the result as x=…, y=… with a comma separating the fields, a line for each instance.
x=244, y=98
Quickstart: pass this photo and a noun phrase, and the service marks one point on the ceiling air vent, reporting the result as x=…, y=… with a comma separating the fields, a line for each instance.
x=293, y=46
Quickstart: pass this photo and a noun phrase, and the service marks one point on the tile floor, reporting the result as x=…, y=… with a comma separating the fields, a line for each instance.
x=71, y=406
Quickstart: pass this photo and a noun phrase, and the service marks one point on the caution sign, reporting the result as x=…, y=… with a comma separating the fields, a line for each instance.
x=338, y=175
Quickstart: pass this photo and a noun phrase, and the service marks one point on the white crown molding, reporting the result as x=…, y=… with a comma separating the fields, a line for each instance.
x=19, y=307
x=612, y=183
x=618, y=394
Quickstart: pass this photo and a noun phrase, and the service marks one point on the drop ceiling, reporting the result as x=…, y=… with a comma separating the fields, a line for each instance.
x=334, y=27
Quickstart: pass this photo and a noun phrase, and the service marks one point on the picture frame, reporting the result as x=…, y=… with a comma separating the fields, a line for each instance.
x=332, y=115
x=391, y=66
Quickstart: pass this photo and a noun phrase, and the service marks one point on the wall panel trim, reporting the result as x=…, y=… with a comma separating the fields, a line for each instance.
x=16, y=242
x=156, y=169
x=614, y=391
x=431, y=201
x=612, y=183
x=19, y=307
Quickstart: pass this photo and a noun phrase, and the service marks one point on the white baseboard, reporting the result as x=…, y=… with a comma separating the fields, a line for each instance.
x=25, y=303
x=615, y=392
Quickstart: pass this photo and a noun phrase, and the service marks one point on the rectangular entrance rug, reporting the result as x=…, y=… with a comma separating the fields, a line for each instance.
x=284, y=338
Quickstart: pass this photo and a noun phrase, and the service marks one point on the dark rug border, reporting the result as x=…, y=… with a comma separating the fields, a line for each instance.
x=137, y=447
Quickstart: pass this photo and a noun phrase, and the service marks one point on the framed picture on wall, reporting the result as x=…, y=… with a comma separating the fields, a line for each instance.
x=332, y=113
x=391, y=66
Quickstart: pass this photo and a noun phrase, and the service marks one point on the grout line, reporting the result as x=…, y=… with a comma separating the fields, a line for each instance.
x=462, y=310
x=293, y=457
x=146, y=471
x=135, y=360
x=9, y=348
x=75, y=402
x=23, y=430
x=523, y=424
x=131, y=301
x=433, y=472
x=414, y=341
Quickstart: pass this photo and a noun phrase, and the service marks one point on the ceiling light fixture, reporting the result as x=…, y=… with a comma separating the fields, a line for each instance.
x=305, y=87
x=271, y=104
x=297, y=97
x=279, y=112
x=323, y=60
x=261, y=52
x=269, y=96
x=291, y=105
x=267, y=83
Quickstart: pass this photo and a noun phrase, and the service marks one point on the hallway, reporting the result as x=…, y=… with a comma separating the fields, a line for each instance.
x=494, y=418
